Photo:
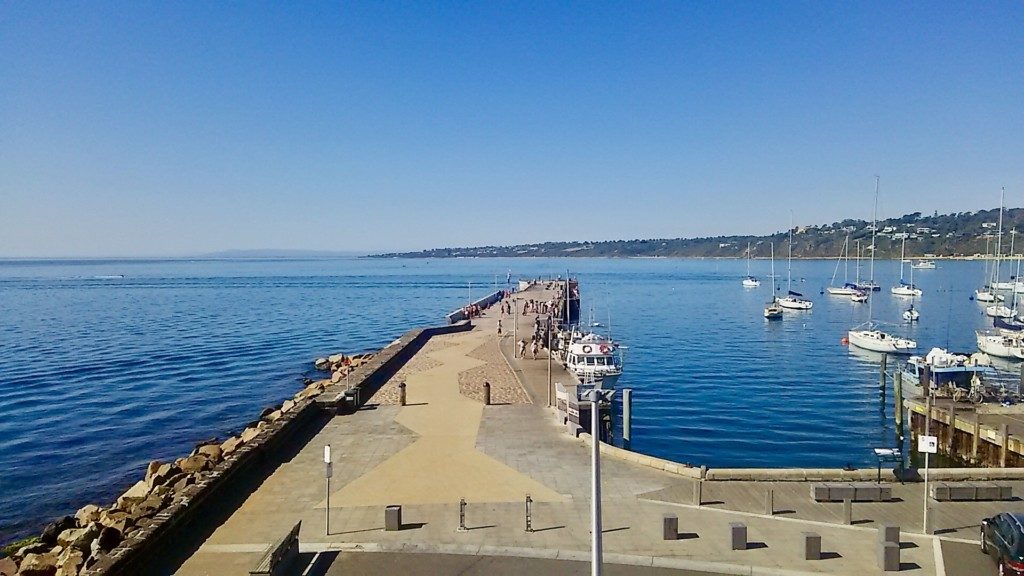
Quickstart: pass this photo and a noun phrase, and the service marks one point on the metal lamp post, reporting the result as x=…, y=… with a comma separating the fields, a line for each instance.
x=327, y=474
x=595, y=396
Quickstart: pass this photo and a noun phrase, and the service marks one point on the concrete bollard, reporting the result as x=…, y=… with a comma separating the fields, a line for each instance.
x=847, y=511
x=698, y=488
x=889, y=533
x=738, y=535
x=401, y=394
x=392, y=518
x=812, y=546
x=670, y=527
x=487, y=393
x=769, y=502
x=889, y=556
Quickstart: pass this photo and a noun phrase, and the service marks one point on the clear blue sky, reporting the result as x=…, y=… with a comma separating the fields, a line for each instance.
x=171, y=128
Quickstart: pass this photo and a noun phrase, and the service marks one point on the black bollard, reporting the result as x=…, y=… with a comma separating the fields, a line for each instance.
x=401, y=394
x=487, y=393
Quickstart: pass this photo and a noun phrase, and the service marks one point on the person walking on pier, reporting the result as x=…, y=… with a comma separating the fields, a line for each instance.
x=534, y=349
x=522, y=348
x=499, y=326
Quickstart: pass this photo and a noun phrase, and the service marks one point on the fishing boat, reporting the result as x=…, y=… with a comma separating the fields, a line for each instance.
x=750, y=281
x=940, y=368
x=848, y=288
x=923, y=265
x=594, y=360
x=773, y=311
x=792, y=300
x=904, y=288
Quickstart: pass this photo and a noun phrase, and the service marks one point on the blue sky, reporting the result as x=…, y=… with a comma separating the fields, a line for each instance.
x=159, y=128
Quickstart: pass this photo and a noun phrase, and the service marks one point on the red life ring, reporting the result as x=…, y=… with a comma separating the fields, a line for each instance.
x=587, y=348
x=604, y=348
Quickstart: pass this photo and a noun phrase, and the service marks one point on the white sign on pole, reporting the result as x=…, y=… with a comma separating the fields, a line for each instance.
x=327, y=454
x=928, y=444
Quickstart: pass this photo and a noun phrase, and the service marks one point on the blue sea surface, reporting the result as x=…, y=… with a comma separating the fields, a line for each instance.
x=108, y=364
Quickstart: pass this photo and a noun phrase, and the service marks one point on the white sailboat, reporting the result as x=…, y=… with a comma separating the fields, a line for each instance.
x=750, y=281
x=860, y=295
x=793, y=300
x=998, y=310
x=848, y=288
x=905, y=289
x=773, y=311
x=986, y=293
x=867, y=335
x=871, y=285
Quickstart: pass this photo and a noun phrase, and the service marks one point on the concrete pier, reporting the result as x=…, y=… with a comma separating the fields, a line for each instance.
x=444, y=446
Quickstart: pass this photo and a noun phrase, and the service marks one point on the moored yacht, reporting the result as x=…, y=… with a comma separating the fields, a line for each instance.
x=1001, y=343
x=870, y=338
x=923, y=265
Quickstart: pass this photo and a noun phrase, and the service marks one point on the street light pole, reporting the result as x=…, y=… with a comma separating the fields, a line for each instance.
x=549, y=360
x=595, y=396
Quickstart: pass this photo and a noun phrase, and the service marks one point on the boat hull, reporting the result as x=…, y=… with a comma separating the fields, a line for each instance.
x=999, y=312
x=996, y=344
x=906, y=291
x=841, y=291
x=878, y=341
x=795, y=304
x=751, y=283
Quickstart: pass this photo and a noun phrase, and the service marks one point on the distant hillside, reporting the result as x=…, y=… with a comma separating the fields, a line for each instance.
x=946, y=235
x=280, y=253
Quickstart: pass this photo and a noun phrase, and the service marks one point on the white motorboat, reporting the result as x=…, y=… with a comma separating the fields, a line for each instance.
x=859, y=296
x=904, y=288
x=870, y=338
x=1001, y=343
x=923, y=265
x=987, y=295
x=1000, y=311
x=592, y=358
x=792, y=300
x=911, y=314
x=750, y=281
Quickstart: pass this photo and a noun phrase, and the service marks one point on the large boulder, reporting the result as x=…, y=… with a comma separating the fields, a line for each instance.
x=193, y=464
x=249, y=433
x=322, y=364
x=70, y=562
x=287, y=405
x=107, y=540
x=337, y=377
x=38, y=565
x=116, y=519
x=38, y=547
x=138, y=491
x=213, y=452
x=336, y=358
x=86, y=514
x=230, y=445
x=8, y=567
x=161, y=474
x=79, y=538
x=49, y=535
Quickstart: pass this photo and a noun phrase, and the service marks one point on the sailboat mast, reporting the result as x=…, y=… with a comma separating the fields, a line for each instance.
x=874, y=225
x=903, y=256
x=789, y=265
x=999, y=238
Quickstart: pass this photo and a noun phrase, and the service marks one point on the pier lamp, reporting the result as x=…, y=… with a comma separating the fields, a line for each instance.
x=596, y=396
x=328, y=472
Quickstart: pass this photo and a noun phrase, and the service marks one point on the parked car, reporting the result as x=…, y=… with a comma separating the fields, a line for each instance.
x=1002, y=537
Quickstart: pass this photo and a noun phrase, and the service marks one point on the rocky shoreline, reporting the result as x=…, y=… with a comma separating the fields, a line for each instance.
x=84, y=543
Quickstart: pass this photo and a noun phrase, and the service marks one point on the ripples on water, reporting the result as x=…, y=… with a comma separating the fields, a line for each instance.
x=100, y=373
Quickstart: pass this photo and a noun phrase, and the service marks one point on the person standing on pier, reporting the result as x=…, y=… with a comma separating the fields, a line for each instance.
x=522, y=348
x=499, y=326
x=534, y=349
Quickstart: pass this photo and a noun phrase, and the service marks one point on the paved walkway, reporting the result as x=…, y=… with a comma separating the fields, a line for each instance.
x=444, y=445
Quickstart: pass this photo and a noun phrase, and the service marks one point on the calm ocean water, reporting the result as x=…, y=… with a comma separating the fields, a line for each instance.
x=106, y=365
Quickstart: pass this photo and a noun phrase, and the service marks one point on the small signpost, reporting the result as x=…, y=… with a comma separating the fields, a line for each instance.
x=328, y=472
x=928, y=445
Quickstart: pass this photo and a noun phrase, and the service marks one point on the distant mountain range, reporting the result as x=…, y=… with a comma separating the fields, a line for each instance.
x=960, y=234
